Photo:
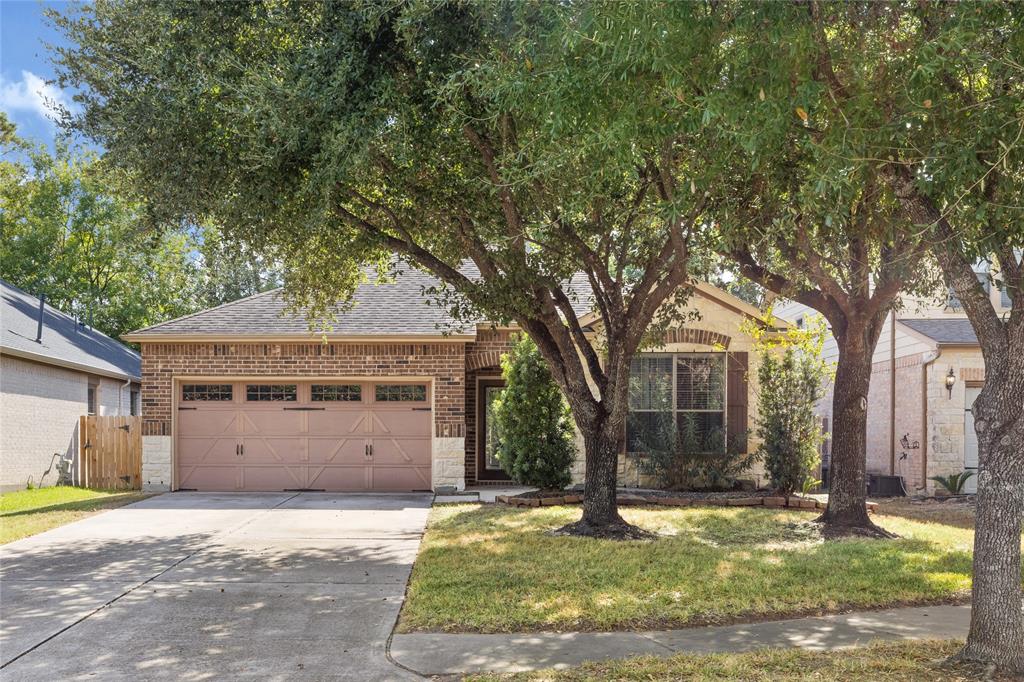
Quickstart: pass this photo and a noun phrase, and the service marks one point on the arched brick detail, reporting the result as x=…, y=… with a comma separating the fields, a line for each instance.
x=972, y=373
x=488, y=348
x=702, y=337
x=481, y=359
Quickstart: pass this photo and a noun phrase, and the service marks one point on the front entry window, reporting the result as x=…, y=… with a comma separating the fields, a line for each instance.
x=491, y=393
x=486, y=439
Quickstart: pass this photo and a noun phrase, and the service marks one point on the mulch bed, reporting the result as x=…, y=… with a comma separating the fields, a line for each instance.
x=667, y=498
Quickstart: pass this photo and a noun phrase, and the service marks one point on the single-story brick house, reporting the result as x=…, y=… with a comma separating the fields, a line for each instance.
x=244, y=397
x=53, y=370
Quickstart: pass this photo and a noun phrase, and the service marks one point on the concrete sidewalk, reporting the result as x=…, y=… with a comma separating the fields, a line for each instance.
x=439, y=654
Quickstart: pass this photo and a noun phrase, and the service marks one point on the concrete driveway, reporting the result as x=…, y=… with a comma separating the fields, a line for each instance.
x=194, y=586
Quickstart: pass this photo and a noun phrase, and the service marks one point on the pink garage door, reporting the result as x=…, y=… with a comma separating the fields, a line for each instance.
x=315, y=435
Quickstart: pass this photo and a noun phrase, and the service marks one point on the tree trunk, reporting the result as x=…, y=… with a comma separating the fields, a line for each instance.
x=600, y=507
x=603, y=441
x=997, y=624
x=847, y=512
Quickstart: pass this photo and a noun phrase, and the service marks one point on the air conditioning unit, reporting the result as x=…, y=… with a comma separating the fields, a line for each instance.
x=886, y=486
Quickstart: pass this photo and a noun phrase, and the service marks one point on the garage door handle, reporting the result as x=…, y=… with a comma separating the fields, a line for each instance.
x=421, y=409
x=305, y=409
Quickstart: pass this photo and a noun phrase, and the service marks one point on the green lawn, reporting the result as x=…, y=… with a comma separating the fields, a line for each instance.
x=880, y=662
x=27, y=512
x=496, y=569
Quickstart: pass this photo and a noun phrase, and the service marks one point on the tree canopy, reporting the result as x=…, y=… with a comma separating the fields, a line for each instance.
x=531, y=140
x=68, y=236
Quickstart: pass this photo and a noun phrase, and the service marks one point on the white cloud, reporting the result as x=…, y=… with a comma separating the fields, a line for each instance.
x=32, y=94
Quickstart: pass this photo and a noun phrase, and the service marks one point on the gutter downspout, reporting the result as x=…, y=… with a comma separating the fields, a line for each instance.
x=892, y=393
x=927, y=360
x=120, y=408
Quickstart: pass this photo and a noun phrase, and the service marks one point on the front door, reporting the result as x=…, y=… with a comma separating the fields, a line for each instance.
x=487, y=466
x=970, y=439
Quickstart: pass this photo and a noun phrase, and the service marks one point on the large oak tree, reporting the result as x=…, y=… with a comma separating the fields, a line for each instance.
x=530, y=140
x=911, y=114
x=960, y=177
x=815, y=219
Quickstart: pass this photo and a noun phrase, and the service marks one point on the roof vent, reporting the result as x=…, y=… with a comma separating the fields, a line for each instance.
x=39, y=325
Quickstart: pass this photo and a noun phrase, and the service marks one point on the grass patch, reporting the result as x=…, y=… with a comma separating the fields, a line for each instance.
x=497, y=569
x=946, y=513
x=879, y=662
x=27, y=512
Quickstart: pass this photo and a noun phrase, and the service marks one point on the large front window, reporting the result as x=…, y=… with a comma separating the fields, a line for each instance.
x=678, y=397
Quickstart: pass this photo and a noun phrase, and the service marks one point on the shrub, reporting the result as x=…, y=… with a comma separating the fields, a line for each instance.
x=789, y=389
x=954, y=483
x=534, y=427
x=681, y=457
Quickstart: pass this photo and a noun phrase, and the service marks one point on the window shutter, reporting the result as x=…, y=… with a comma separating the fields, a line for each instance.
x=736, y=417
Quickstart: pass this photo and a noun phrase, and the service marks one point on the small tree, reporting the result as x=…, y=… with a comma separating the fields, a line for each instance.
x=789, y=388
x=533, y=422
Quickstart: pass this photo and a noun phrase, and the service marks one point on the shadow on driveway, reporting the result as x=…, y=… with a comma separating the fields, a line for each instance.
x=194, y=586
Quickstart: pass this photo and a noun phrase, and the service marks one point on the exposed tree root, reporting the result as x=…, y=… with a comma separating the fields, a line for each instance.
x=985, y=668
x=832, y=530
x=616, y=530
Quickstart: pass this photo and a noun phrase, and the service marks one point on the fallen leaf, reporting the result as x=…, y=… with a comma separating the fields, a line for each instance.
x=802, y=114
x=760, y=94
x=927, y=104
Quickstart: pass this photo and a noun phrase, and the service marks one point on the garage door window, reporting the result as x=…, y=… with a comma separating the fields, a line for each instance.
x=206, y=392
x=352, y=393
x=271, y=393
x=388, y=393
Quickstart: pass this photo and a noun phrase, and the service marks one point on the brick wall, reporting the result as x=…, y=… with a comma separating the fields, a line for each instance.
x=483, y=358
x=113, y=398
x=946, y=410
x=39, y=410
x=445, y=362
x=908, y=419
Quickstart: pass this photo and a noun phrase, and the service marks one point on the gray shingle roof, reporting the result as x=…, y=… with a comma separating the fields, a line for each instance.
x=397, y=308
x=64, y=341
x=944, y=331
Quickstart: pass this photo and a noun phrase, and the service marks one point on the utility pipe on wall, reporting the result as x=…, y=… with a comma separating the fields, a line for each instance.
x=927, y=360
x=42, y=311
x=892, y=394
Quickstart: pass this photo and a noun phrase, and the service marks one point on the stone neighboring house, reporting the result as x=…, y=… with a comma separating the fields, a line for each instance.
x=928, y=369
x=54, y=369
x=395, y=398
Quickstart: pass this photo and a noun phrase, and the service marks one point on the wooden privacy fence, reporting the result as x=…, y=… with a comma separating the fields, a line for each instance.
x=110, y=452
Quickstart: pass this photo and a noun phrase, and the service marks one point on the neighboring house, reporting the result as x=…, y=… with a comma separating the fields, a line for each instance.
x=244, y=397
x=925, y=378
x=54, y=369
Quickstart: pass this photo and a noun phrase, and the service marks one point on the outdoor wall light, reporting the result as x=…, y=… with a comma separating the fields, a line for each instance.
x=950, y=381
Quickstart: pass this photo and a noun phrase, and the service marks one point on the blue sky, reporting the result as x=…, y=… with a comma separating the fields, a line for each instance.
x=25, y=67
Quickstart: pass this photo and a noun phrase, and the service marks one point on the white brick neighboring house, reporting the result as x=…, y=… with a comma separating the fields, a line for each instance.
x=929, y=430
x=46, y=385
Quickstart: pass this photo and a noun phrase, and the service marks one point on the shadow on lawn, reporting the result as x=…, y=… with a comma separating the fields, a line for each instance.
x=720, y=565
